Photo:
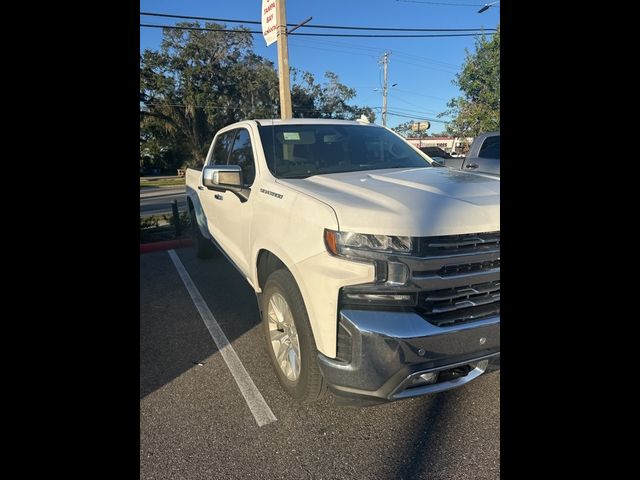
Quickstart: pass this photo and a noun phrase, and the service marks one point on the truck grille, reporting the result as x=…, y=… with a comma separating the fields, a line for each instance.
x=458, y=277
x=467, y=243
x=456, y=305
x=464, y=268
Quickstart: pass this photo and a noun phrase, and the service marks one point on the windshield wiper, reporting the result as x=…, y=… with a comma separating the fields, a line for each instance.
x=300, y=175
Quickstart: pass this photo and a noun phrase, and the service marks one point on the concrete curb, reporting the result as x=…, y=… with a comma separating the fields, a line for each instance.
x=166, y=245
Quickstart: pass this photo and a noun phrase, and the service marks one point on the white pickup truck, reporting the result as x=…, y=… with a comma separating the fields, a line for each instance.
x=377, y=271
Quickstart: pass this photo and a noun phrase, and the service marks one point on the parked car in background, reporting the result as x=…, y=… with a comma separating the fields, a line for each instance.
x=483, y=156
x=436, y=153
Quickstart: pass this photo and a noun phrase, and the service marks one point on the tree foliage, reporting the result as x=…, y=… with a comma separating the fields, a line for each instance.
x=329, y=100
x=201, y=81
x=478, y=110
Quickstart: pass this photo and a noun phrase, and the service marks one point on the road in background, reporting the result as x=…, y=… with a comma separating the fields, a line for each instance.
x=157, y=200
x=195, y=423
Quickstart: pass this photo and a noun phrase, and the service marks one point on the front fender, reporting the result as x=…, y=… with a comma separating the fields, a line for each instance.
x=296, y=236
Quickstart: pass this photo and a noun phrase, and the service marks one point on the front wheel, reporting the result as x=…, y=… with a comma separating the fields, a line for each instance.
x=289, y=338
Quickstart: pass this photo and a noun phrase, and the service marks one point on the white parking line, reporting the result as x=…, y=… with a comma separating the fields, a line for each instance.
x=259, y=408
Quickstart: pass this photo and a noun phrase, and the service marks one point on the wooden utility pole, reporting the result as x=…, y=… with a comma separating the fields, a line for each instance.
x=286, y=110
x=385, y=62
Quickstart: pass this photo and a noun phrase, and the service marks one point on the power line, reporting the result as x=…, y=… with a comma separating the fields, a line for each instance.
x=418, y=113
x=210, y=107
x=174, y=27
x=439, y=63
x=421, y=94
x=399, y=113
x=337, y=27
x=445, y=3
x=336, y=50
x=408, y=111
x=413, y=117
x=427, y=67
x=370, y=55
x=355, y=46
x=408, y=103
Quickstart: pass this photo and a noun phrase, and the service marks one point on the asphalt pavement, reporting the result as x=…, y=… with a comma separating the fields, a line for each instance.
x=157, y=200
x=196, y=424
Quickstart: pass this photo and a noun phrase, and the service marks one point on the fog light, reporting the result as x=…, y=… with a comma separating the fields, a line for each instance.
x=430, y=377
x=424, y=379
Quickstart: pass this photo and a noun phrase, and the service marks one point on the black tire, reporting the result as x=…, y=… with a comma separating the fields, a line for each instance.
x=309, y=385
x=204, y=247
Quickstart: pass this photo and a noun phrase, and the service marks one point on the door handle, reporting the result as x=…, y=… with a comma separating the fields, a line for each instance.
x=471, y=165
x=200, y=187
x=217, y=196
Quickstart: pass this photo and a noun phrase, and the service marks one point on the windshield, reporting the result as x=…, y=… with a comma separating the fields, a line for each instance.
x=300, y=151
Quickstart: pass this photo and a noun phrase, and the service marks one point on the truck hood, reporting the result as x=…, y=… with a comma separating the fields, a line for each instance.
x=414, y=201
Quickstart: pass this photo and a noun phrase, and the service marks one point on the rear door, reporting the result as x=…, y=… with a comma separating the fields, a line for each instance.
x=488, y=159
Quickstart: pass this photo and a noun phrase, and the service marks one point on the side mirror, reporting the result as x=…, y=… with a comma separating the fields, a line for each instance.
x=222, y=177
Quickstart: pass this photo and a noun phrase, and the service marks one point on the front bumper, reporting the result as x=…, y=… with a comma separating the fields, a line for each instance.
x=387, y=350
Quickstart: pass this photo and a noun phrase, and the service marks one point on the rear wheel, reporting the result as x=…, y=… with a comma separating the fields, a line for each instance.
x=204, y=247
x=289, y=338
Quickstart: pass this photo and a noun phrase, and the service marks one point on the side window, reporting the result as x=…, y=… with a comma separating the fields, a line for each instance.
x=242, y=154
x=490, y=148
x=222, y=147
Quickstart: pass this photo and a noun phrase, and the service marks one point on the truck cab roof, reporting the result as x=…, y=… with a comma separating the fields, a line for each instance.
x=309, y=121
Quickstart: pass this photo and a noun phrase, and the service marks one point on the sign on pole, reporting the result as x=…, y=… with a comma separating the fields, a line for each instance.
x=420, y=126
x=269, y=21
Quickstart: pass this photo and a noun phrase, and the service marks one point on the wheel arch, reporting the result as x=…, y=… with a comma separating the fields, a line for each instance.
x=193, y=204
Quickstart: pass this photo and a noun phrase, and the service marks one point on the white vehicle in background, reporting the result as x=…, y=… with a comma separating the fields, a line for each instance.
x=377, y=273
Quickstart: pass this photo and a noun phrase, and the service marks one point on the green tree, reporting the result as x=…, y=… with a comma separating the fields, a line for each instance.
x=478, y=110
x=328, y=100
x=199, y=82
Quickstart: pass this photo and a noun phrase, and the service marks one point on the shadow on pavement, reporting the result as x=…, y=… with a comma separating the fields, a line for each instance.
x=453, y=434
x=173, y=337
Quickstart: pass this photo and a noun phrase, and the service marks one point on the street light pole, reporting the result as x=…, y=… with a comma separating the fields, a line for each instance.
x=487, y=6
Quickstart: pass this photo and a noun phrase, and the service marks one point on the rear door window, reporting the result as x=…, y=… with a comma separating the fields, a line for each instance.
x=490, y=148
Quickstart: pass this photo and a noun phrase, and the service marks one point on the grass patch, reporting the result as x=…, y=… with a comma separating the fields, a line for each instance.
x=161, y=182
x=158, y=228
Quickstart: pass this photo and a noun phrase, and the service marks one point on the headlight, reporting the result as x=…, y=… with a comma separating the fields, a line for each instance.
x=353, y=244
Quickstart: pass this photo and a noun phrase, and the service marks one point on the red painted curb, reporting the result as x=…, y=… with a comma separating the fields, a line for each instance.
x=167, y=245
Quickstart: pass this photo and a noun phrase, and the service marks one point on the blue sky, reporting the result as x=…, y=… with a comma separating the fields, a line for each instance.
x=422, y=67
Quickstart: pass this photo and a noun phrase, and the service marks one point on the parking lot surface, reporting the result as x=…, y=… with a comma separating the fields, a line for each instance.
x=196, y=424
